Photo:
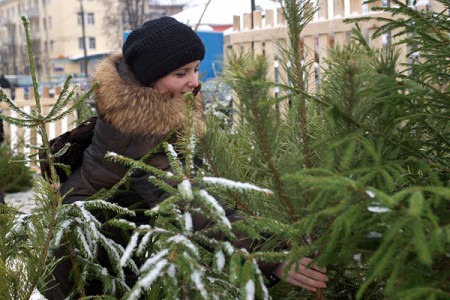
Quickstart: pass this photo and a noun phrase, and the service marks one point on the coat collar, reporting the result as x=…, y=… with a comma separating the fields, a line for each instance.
x=133, y=108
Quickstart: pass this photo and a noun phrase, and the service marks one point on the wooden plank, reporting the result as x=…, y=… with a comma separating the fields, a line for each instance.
x=16, y=134
x=309, y=50
x=340, y=38
x=272, y=33
x=45, y=92
x=281, y=20
x=45, y=111
x=257, y=19
x=6, y=125
x=44, y=102
x=31, y=95
x=237, y=48
x=322, y=47
x=376, y=43
x=281, y=68
x=309, y=46
x=246, y=47
x=247, y=25
x=269, y=18
x=236, y=23
x=403, y=51
x=323, y=10
x=270, y=58
x=20, y=135
x=338, y=8
x=258, y=47
x=282, y=76
x=34, y=142
x=355, y=8
x=19, y=93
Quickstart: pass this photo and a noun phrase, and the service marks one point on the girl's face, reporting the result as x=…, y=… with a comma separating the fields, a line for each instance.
x=180, y=81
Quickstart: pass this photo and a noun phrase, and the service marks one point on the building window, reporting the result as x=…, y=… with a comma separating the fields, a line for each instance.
x=92, y=43
x=49, y=22
x=90, y=18
x=80, y=43
x=35, y=26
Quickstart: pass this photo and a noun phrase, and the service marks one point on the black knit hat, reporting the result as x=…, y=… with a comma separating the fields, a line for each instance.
x=159, y=47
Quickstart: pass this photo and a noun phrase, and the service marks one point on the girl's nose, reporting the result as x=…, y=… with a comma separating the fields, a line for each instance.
x=193, y=80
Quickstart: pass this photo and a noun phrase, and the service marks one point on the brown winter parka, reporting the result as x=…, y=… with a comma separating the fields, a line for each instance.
x=132, y=120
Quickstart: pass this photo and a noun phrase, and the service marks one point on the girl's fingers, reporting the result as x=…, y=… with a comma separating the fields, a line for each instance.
x=304, y=274
x=308, y=263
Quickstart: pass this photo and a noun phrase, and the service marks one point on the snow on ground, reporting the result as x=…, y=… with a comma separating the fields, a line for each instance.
x=22, y=201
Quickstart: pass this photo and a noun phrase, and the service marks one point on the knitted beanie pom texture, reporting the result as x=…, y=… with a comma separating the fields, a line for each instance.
x=159, y=47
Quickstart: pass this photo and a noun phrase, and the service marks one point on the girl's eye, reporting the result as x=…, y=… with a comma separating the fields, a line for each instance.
x=181, y=74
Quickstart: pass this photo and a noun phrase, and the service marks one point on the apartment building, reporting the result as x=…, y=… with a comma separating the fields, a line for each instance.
x=68, y=36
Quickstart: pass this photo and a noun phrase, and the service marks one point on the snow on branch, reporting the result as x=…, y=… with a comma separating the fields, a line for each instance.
x=235, y=185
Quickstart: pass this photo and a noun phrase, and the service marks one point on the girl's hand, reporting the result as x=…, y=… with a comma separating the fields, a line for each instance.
x=304, y=274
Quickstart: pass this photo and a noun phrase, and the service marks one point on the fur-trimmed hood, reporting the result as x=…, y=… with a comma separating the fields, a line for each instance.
x=133, y=108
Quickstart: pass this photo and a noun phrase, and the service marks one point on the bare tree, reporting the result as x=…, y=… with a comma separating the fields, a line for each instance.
x=124, y=15
x=128, y=14
x=135, y=12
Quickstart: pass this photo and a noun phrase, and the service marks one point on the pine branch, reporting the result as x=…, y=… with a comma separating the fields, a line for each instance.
x=57, y=201
x=268, y=157
x=298, y=16
x=36, y=263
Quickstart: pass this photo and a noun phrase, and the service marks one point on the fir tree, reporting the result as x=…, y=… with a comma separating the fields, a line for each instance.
x=373, y=203
x=25, y=257
x=15, y=175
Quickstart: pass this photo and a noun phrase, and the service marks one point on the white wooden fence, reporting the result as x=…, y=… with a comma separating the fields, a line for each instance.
x=326, y=29
x=19, y=138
